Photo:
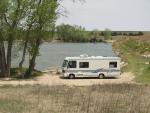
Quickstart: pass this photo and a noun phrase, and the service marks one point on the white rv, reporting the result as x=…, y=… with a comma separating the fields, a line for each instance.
x=94, y=66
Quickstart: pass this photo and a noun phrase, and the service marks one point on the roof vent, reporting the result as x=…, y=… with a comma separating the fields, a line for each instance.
x=84, y=56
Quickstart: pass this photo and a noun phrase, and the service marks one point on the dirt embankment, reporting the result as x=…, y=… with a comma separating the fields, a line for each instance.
x=53, y=79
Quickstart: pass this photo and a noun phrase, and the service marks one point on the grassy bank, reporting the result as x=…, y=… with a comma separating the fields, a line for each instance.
x=123, y=98
x=131, y=51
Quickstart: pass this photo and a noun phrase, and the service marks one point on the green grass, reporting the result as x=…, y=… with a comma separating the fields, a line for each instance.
x=131, y=51
x=139, y=68
x=121, y=98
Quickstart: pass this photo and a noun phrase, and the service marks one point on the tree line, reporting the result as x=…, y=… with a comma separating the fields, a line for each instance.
x=74, y=33
x=127, y=33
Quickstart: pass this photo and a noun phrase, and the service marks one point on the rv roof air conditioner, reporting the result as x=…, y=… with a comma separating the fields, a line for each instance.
x=84, y=56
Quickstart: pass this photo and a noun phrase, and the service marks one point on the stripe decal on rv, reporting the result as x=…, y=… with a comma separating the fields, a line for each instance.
x=95, y=71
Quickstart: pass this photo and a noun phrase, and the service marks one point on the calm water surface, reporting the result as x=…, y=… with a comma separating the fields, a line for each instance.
x=53, y=54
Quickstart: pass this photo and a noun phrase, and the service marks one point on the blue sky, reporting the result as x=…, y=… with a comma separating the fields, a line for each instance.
x=119, y=15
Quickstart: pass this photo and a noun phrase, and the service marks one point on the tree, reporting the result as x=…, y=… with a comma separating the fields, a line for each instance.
x=68, y=33
x=114, y=33
x=2, y=57
x=44, y=15
x=11, y=13
x=140, y=33
x=96, y=35
x=29, y=26
x=3, y=5
x=107, y=34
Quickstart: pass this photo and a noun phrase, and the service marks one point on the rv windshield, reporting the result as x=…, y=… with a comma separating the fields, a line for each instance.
x=65, y=63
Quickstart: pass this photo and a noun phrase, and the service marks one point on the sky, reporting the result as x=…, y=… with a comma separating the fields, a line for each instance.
x=120, y=15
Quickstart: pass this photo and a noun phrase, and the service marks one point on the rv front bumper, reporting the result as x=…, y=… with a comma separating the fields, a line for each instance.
x=66, y=74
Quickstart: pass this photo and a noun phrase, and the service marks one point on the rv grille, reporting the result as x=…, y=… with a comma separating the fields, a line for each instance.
x=63, y=71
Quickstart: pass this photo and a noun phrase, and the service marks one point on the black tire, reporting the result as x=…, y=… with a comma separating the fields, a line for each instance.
x=101, y=76
x=71, y=76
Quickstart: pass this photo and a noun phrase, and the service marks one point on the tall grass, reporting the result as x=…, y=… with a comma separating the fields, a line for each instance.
x=123, y=98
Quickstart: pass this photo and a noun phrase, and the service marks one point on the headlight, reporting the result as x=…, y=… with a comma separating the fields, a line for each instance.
x=63, y=71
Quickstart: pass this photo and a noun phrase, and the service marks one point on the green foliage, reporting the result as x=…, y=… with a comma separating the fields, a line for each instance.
x=107, y=34
x=19, y=19
x=3, y=7
x=70, y=33
x=13, y=14
x=96, y=35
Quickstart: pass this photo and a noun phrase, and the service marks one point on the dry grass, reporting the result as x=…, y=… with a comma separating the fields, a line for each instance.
x=123, y=98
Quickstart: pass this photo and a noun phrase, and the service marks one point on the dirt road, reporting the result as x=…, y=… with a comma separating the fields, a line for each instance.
x=53, y=79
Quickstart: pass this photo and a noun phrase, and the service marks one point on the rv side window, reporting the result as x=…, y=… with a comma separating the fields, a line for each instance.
x=113, y=65
x=84, y=64
x=72, y=64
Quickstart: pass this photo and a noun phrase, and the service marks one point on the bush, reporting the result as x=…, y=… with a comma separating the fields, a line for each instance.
x=19, y=73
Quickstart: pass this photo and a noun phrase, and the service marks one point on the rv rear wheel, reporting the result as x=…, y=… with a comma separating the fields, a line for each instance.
x=71, y=76
x=101, y=76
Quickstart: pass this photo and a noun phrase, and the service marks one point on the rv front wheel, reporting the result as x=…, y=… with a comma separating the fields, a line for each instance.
x=101, y=76
x=71, y=76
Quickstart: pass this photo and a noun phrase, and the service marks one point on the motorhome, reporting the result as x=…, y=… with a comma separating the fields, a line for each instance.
x=93, y=66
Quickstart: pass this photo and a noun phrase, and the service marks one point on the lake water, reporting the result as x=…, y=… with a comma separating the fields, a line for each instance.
x=53, y=54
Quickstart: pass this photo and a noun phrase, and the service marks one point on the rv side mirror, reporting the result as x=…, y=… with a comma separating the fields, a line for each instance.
x=67, y=66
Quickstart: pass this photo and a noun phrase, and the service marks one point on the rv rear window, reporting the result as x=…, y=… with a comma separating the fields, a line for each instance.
x=84, y=64
x=72, y=64
x=113, y=65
